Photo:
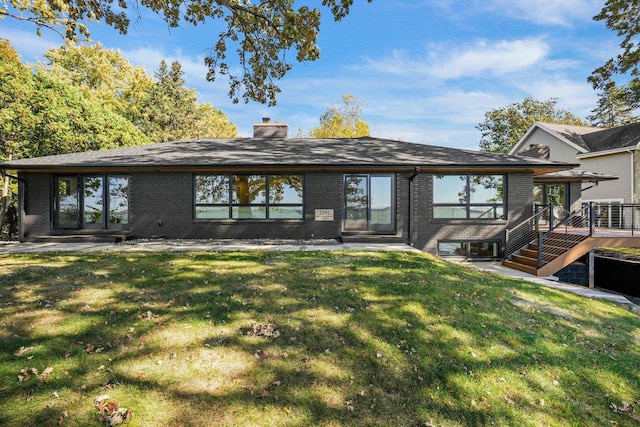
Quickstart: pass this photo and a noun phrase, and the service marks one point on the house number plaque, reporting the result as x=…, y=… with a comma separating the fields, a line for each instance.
x=324, y=215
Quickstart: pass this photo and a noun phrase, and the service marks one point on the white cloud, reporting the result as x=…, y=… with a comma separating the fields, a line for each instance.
x=544, y=12
x=28, y=43
x=499, y=58
x=480, y=58
x=575, y=96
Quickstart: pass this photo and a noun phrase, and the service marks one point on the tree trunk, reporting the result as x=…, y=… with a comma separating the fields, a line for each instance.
x=5, y=196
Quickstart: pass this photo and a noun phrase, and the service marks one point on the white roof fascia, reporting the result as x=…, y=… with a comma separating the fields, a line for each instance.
x=607, y=152
x=549, y=131
x=524, y=138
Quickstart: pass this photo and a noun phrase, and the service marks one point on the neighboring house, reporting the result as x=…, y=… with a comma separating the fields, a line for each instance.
x=442, y=200
x=594, y=205
x=603, y=154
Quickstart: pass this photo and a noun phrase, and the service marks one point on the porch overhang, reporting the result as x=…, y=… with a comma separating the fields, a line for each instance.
x=572, y=175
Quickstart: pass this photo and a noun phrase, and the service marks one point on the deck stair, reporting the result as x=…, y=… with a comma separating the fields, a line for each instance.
x=554, y=246
x=543, y=250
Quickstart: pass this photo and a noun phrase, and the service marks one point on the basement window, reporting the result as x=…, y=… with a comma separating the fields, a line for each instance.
x=469, y=249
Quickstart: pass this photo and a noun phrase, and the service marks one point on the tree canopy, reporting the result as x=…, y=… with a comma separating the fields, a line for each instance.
x=171, y=110
x=102, y=75
x=623, y=17
x=43, y=115
x=261, y=33
x=614, y=107
x=342, y=121
x=163, y=108
x=503, y=127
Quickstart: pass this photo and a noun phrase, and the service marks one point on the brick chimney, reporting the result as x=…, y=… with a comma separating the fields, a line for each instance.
x=266, y=129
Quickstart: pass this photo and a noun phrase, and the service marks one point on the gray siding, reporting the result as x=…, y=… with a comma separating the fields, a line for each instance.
x=559, y=151
x=618, y=165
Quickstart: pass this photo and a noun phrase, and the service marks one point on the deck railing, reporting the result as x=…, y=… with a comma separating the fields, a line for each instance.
x=526, y=232
x=592, y=219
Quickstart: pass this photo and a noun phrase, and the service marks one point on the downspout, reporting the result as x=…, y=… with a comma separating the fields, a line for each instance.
x=633, y=175
x=410, y=211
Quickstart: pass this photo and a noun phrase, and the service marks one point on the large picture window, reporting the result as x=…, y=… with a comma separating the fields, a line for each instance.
x=468, y=196
x=248, y=196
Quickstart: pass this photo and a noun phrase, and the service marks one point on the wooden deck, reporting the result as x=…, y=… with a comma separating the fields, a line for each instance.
x=566, y=245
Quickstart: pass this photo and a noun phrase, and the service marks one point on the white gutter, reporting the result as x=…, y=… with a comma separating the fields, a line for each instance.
x=607, y=152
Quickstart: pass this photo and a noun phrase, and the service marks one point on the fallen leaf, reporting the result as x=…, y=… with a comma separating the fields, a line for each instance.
x=23, y=351
x=64, y=415
x=45, y=374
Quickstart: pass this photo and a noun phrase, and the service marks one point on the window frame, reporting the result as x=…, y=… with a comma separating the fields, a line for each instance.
x=468, y=205
x=105, y=194
x=468, y=250
x=232, y=206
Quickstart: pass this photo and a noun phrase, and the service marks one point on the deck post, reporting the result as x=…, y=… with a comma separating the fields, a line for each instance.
x=592, y=220
x=591, y=268
x=540, y=240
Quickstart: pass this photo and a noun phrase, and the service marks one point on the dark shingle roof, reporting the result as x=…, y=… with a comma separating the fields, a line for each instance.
x=595, y=139
x=301, y=153
x=617, y=137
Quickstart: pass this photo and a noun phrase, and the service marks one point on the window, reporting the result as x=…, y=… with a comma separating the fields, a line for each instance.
x=248, y=196
x=469, y=249
x=468, y=196
x=92, y=201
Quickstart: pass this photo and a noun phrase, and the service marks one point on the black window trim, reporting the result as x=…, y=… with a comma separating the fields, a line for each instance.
x=468, y=205
x=106, y=197
x=468, y=242
x=267, y=205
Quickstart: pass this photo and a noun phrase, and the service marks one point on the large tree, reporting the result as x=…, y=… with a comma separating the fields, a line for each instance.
x=42, y=115
x=102, y=75
x=342, y=121
x=163, y=108
x=171, y=110
x=503, y=127
x=261, y=33
x=614, y=107
x=623, y=17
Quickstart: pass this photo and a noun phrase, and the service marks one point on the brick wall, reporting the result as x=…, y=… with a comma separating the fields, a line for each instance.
x=427, y=231
x=161, y=205
x=37, y=204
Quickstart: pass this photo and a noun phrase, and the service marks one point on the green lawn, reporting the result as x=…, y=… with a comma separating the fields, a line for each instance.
x=305, y=338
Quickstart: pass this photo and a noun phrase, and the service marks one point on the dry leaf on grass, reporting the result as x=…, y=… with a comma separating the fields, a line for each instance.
x=27, y=373
x=267, y=331
x=23, y=351
x=110, y=411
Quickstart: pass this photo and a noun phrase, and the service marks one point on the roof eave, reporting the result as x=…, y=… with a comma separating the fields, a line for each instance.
x=608, y=152
x=87, y=168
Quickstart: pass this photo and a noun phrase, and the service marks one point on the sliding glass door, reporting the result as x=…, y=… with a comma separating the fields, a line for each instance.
x=92, y=202
x=67, y=208
x=369, y=202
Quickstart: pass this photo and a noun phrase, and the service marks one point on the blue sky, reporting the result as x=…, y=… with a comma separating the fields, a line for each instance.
x=427, y=70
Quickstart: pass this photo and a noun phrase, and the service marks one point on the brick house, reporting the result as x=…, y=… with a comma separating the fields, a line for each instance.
x=442, y=200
